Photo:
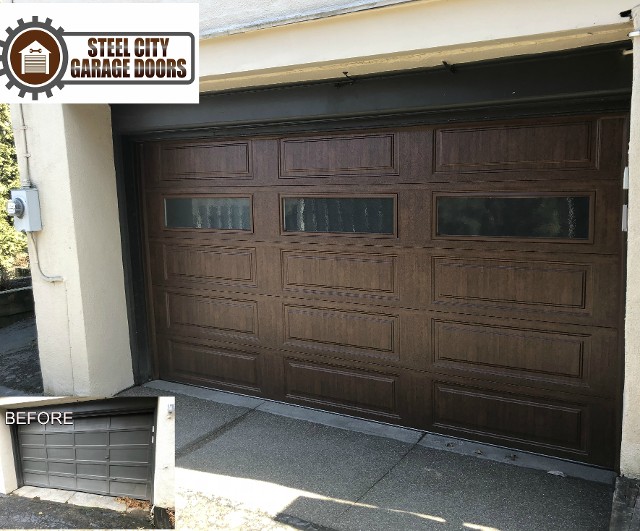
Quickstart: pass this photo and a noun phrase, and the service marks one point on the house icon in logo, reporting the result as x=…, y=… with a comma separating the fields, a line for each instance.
x=35, y=59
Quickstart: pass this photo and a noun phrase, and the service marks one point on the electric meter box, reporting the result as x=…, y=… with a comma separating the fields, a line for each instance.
x=30, y=220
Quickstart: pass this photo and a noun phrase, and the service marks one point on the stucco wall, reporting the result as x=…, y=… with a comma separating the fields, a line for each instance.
x=82, y=321
x=8, y=477
x=630, y=448
x=409, y=35
x=165, y=462
x=97, y=233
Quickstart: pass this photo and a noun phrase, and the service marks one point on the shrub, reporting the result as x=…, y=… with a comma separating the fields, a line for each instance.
x=13, y=244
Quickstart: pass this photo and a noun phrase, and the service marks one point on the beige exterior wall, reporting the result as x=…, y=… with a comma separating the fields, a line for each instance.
x=8, y=477
x=82, y=322
x=165, y=462
x=630, y=448
x=410, y=35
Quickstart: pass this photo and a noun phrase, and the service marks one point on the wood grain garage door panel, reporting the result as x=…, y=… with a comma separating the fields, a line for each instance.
x=511, y=416
x=540, y=287
x=362, y=274
x=459, y=278
x=210, y=316
x=351, y=389
x=341, y=331
x=211, y=365
x=532, y=351
x=518, y=147
x=561, y=286
x=351, y=155
x=227, y=266
x=551, y=356
x=206, y=161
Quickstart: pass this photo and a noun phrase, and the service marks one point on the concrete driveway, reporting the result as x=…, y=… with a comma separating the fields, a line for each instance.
x=245, y=463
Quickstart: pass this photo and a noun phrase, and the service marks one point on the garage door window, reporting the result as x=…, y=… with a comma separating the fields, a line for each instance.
x=360, y=215
x=546, y=216
x=220, y=213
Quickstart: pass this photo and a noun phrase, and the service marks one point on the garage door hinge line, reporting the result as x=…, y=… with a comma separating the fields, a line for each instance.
x=625, y=206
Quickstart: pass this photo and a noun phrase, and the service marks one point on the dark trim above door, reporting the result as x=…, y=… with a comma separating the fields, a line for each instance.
x=586, y=77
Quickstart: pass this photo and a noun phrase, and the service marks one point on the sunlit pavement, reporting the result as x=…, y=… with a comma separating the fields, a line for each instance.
x=244, y=463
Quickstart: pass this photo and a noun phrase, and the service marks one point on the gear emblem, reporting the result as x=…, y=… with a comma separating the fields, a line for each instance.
x=34, y=57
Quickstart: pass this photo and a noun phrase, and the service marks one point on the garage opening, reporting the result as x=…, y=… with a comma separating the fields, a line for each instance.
x=107, y=449
x=461, y=278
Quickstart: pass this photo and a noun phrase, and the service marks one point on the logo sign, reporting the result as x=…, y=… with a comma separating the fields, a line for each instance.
x=99, y=53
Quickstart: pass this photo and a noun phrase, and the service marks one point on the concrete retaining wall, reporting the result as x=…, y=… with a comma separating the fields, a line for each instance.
x=16, y=301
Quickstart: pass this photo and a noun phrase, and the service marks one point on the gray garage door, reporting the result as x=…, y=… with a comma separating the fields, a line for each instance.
x=108, y=454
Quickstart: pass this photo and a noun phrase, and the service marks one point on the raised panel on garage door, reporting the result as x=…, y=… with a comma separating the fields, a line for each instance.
x=543, y=149
x=542, y=355
x=463, y=278
x=542, y=287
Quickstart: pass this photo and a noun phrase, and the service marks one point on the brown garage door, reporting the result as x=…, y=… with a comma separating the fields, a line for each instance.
x=464, y=279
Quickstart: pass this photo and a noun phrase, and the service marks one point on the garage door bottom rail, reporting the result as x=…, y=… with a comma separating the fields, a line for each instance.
x=579, y=428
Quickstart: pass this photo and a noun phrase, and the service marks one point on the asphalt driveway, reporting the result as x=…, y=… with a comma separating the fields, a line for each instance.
x=17, y=512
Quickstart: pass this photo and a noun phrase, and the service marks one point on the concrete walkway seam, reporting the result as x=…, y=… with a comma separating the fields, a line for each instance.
x=379, y=429
x=381, y=478
x=212, y=435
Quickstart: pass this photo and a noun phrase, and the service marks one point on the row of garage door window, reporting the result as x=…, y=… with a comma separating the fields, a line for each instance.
x=544, y=216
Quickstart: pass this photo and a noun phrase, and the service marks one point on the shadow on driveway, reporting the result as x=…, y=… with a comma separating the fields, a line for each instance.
x=243, y=468
x=350, y=481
